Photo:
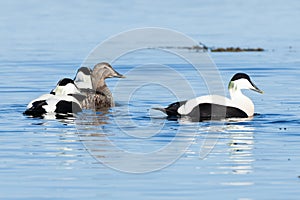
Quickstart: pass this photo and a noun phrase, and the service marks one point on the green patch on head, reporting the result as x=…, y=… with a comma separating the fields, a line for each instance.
x=58, y=90
x=231, y=85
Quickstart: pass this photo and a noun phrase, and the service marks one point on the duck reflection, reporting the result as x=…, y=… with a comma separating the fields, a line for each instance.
x=90, y=118
x=236, y=134
x=231, y=141
x=240, y=148
x=239, y=138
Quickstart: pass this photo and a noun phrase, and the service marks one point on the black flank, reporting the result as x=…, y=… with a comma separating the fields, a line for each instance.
x=207, y=111
x=67, y=107
x=37, y=109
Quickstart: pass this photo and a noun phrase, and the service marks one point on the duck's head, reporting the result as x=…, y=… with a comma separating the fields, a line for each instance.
x=242, y=81
x=102, y=71
x=83, y=78
x=83, y=71
x=65, y=86
x=105, y=70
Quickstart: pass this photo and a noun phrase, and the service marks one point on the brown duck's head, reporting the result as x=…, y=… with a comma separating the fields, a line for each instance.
x=105, y=70
x=102, y=71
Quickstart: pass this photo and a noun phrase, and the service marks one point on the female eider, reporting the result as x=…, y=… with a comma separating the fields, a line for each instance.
x=215, y=107
x=63, y=100
x=100, y=97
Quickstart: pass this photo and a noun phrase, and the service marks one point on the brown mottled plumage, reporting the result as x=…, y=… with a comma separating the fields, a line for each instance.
x=100, y=97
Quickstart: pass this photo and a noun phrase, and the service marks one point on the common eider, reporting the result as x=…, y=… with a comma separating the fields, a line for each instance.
x=215, y=107
x=63, y=100
x=83, y=78
x=100, y=97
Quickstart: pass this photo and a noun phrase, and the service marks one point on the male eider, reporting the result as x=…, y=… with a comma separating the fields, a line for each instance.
x=83, y=78
x=100, y=97
x=62, y=100
x=217, y=107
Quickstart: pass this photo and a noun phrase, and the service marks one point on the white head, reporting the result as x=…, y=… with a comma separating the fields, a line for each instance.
x=65, y=86
x=242, y=81
x=237, y=83
x=83, y=78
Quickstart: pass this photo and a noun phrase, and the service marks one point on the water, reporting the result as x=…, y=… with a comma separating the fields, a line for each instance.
x=51, y=159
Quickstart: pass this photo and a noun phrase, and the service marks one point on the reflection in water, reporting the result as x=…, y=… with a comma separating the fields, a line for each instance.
x=52, y=143
x=141, y=145
x=90, y=124
x=239, y=139
x=110, y=135
x=233, y=149
x=240, y=159
x=89, y=117
x=240, y=136
x=241, y=146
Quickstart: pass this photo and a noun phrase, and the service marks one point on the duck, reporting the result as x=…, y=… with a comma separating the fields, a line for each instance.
x=216, y=107
x=83, y=79
x=98, y=95
x=63, y=100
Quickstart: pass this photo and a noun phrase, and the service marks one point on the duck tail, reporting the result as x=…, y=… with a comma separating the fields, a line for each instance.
x=161, y=109
x=171, y=110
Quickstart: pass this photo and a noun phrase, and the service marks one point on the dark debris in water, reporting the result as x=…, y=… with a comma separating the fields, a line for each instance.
x=196, y=48
x=204, y=48
x=235, y=49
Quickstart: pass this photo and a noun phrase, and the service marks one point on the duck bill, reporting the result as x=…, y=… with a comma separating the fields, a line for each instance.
x=118, y=75
x=256, y=89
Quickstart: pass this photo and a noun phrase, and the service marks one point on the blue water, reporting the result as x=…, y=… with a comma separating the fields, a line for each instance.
x=51, y=159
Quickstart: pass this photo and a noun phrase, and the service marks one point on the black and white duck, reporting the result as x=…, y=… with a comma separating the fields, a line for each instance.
x=83, y=78
x=63, y=100
x=217, y=107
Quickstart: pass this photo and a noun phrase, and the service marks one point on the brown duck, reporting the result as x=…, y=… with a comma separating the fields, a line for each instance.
x=99, y=96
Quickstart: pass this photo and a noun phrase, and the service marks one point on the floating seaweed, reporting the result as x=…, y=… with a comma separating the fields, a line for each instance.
x=204, y=48
x=235, y=49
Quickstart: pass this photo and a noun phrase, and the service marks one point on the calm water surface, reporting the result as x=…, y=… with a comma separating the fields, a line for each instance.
x=52, y=159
